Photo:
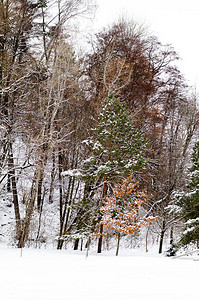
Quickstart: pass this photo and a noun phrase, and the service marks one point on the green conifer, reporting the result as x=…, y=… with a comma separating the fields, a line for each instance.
x=116, y=146
x=115, y=150
x=189, y=202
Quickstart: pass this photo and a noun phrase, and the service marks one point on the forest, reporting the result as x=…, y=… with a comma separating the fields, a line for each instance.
x=95, y=144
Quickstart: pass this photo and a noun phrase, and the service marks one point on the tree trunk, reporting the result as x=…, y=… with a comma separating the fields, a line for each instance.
x=76, y=244
x=171, y=236
x=118, y=244
x=62, y=224
x=69, y=203
x=147, y=233
x=88, y=246
x=81, y=247
x=39, y=193
x=14, y=192
x=66, y=210
x=29, y=210
x=40, y=214
x=99, y=248
x=9, y=180
x=162, y=236
x=52, y=180
x=60, y=158
x=197, y=244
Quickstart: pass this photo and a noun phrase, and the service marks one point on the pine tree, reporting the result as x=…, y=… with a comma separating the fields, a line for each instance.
x=189, y=202
x=116, y=149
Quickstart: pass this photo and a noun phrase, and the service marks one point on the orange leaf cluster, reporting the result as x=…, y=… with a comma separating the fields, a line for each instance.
x=120, y=212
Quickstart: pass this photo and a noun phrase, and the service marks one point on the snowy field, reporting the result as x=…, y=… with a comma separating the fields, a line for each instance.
x=59, y=275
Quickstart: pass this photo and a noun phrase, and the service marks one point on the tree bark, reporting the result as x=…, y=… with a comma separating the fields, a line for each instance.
x=118, y=244
x=99, y=248
x=171, y=236
x=162, y=236
x=14, y=191
x=29, y=210
x=62, y=224
x=76, y=244
x=39, y=193
x=60, y=158
x=52, y=180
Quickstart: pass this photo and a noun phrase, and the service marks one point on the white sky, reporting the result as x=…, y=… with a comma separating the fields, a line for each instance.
x=174, y=21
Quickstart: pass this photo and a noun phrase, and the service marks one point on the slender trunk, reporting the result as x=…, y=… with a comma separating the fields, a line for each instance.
x=99, y=249
x=88, y=246
x=52, y=180
x=39, y=192
x=60, y=197
x=40, y=214
x=14, y=191
x=197, y=244
x=44, y=37
x=72, y=194
x=162, y=236
x=118, y=244
x=81, y=247
x=45, y=149
x=68, y=202
x=62, y=227
x=147, y=233
x=9, y=179
x=76, y=244
x=171, y=236
x=29, y=210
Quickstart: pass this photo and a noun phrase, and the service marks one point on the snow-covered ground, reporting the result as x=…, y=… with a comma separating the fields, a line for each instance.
x=60, y=275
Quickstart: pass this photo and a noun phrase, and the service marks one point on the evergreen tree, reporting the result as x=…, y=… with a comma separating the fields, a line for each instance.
x=189, y=202
x=116, y=147
x=115, y=150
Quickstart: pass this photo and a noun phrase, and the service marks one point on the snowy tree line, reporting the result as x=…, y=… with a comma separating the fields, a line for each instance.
x=75, y=126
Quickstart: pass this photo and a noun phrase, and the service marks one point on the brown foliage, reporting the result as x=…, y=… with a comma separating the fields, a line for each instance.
x=120, y=212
